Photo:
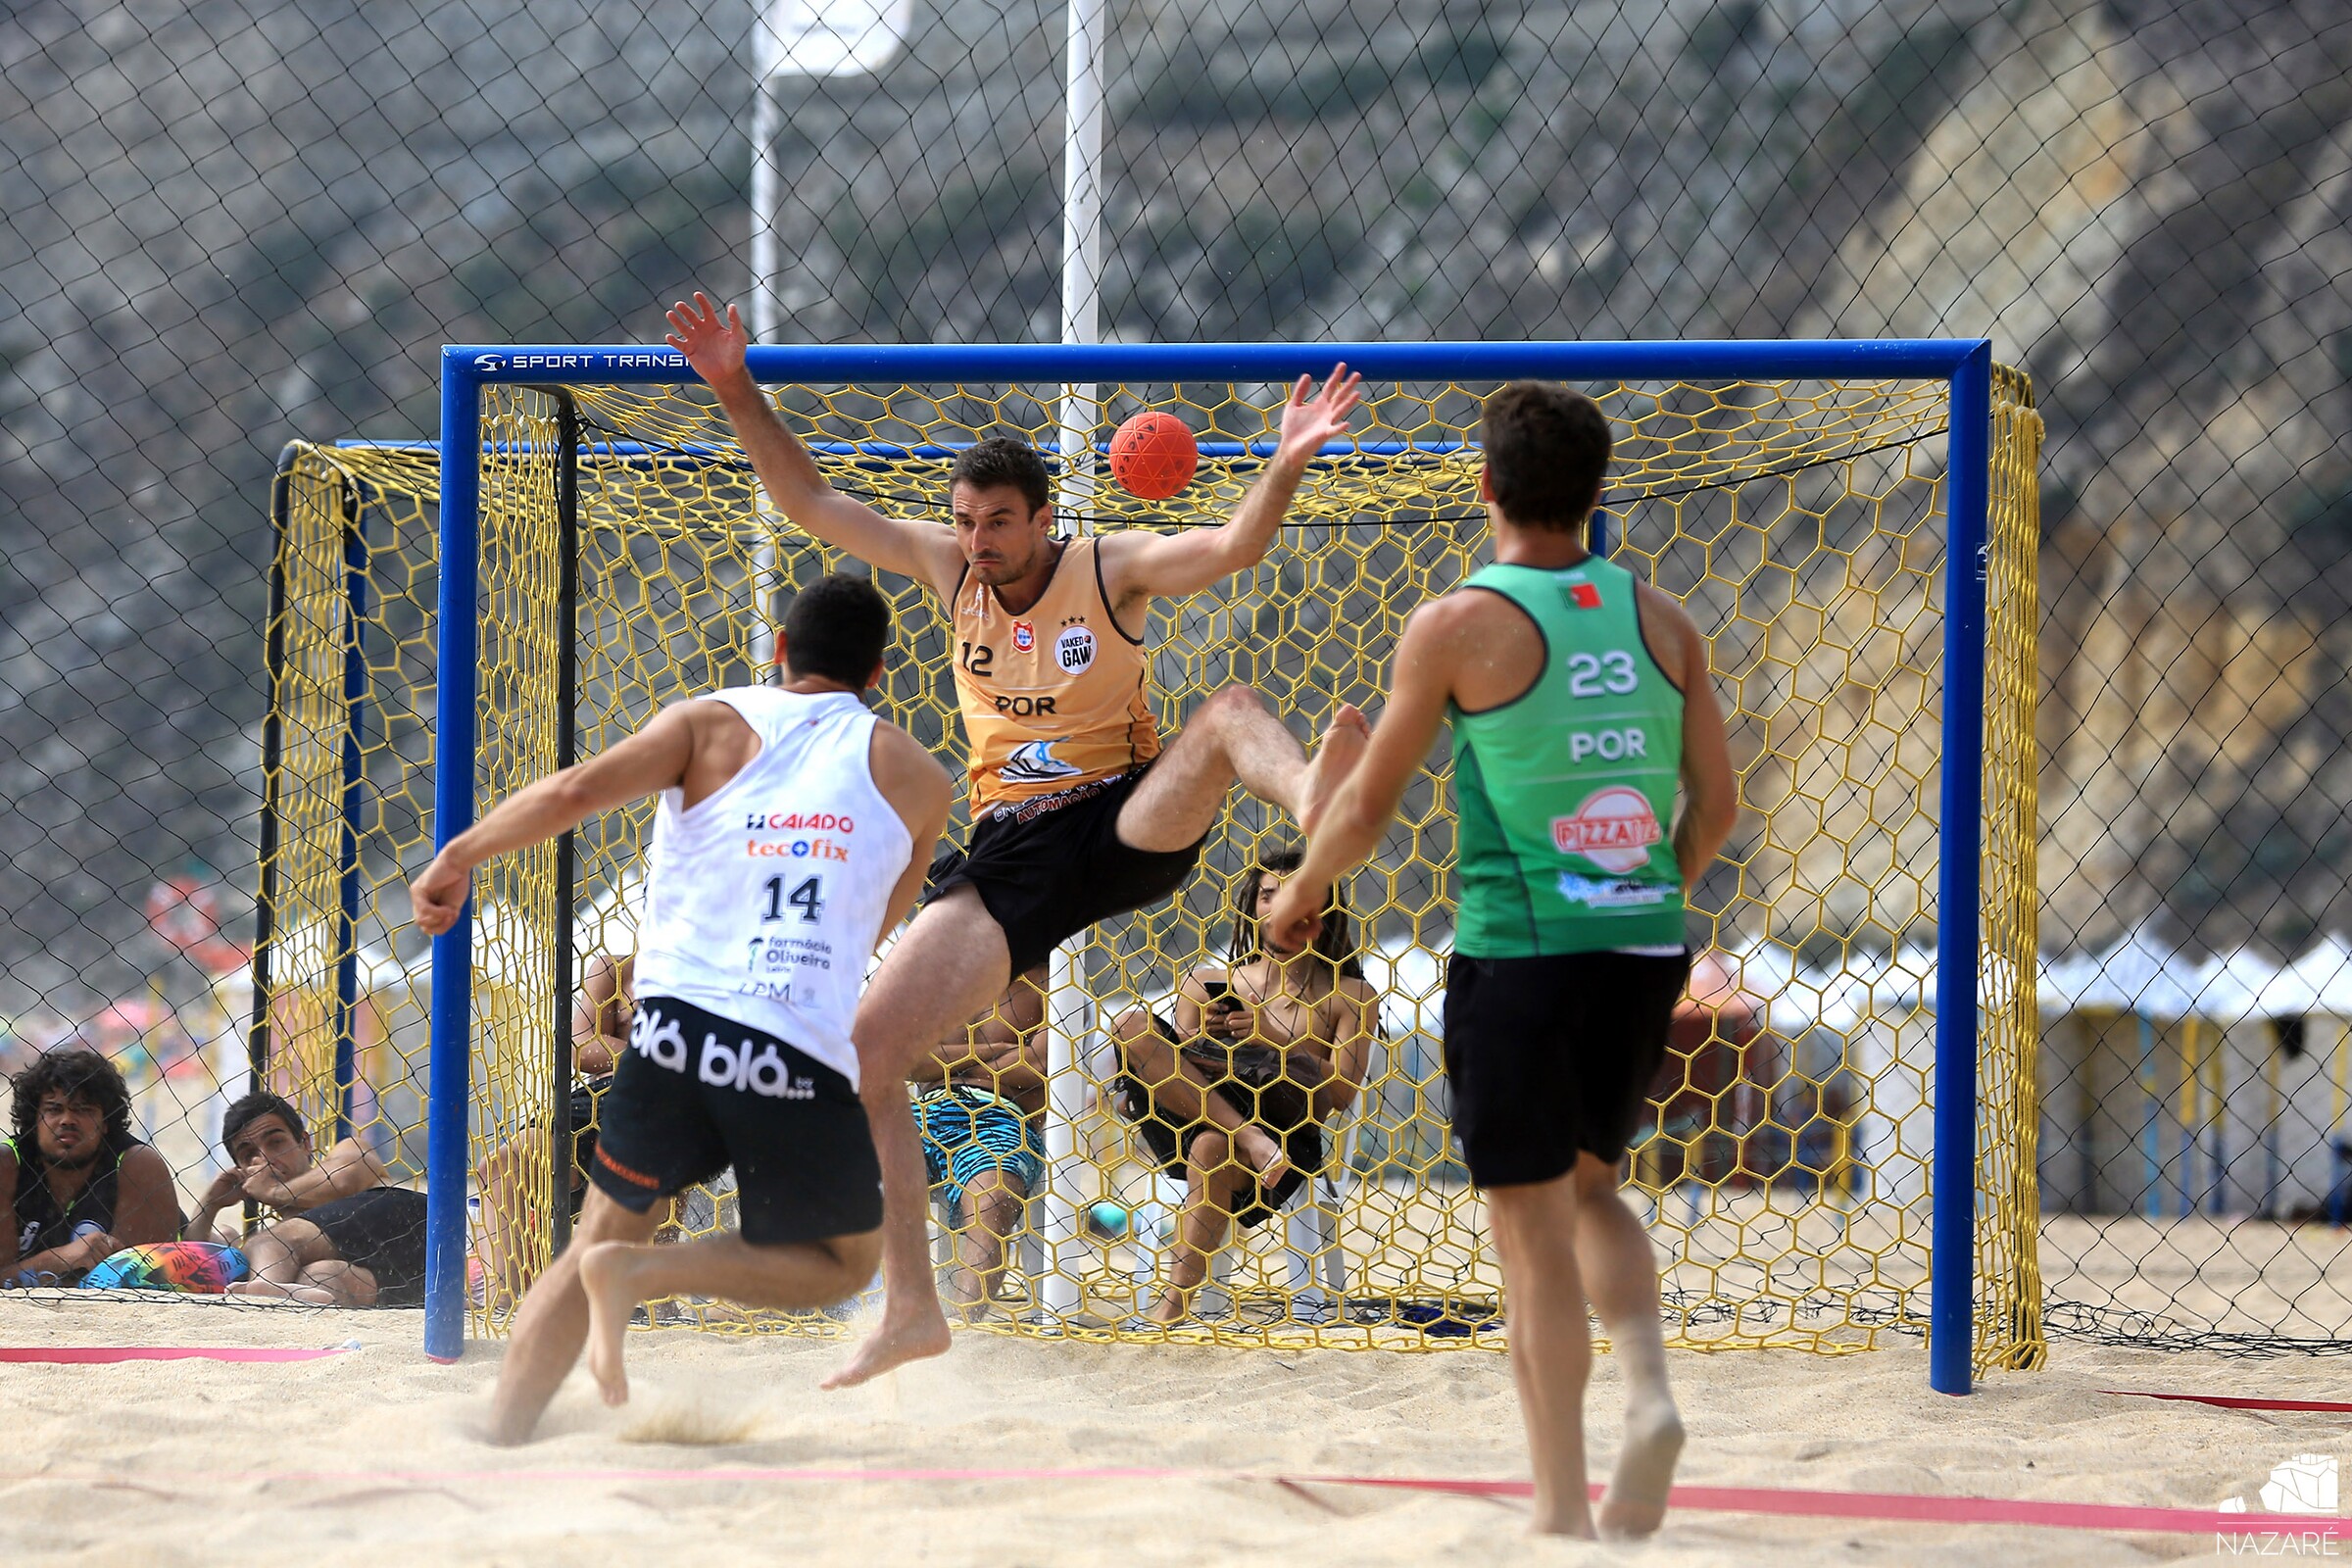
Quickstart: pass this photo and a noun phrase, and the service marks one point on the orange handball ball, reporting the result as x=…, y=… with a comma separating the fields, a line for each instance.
x=1153, y=455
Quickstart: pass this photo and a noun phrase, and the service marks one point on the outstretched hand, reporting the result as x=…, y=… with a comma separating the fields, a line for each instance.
x=712, y=343
x=1308, y=422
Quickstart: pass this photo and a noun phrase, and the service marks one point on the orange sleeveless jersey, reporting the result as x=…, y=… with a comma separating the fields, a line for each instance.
x=1055, y=695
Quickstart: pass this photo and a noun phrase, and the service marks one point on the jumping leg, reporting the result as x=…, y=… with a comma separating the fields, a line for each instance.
x=553, y=1321
x=1233, y=737
x=616, y=1275
x=947, y=969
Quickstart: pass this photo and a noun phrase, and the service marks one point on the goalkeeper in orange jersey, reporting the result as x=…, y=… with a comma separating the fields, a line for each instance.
x=1078, y=812
x=1578, y=700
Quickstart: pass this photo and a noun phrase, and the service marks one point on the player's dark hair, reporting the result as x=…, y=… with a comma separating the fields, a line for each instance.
x=836, y=629
x=1001, y=460
x=245, y=1110
x=1547, y=452
x=1335, y=943
x=78, y=1073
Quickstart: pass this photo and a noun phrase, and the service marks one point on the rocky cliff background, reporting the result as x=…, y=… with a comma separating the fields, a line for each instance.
x=230, y=223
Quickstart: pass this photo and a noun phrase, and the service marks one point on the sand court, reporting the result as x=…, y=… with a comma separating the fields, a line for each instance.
x=1021, y=1451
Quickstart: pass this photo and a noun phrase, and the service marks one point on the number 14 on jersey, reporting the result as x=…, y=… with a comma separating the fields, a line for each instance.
x=809, y=898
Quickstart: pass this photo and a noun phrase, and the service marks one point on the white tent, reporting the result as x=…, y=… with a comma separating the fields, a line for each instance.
x=2229, y=987
x=2319, y=981
x=2140, y=975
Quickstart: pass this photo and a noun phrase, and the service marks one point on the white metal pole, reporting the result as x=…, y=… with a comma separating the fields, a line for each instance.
x=766, y=312
x=767, y=193
x=1067, y=1004
x=1081, y=243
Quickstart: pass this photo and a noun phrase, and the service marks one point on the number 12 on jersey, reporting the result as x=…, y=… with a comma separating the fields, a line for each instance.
x=809, y=898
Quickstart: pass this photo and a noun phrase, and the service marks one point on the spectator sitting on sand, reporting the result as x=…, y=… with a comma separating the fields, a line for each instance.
x=79, y=1184
x=342, y=1237
x=976, y=1108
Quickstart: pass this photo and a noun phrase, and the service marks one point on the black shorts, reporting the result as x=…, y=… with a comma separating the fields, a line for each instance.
x=1249, y=1078
x=1547, y=1056
x=382, y=1231
x=794, y=1129
x=1048, y=868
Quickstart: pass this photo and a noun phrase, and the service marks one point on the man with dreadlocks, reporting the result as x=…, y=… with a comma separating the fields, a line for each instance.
x=80, y=1186
x=1233, y=1096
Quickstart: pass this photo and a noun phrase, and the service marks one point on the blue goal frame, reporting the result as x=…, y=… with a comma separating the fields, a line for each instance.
x=1966, y=364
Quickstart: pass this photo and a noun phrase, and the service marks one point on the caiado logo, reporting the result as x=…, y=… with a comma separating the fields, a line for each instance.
x=799, y=822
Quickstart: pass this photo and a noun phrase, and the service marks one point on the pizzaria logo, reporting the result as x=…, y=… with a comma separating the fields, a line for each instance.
x=1613, y=828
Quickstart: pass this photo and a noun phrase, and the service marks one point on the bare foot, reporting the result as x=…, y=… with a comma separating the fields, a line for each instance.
x=892, y=1345
x=1263, y=1155
x=1635, y=1505
x=609, y=1281
x=1171, y=1309
x=273, y=1291
x=1336, y=756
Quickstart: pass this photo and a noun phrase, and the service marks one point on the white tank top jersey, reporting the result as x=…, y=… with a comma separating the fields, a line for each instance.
x=763, y=902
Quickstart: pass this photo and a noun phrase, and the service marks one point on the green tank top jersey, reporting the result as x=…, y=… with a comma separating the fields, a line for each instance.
x=1566, y=794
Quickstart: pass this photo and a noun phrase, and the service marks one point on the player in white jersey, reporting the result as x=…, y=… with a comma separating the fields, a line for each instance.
x=793, y=829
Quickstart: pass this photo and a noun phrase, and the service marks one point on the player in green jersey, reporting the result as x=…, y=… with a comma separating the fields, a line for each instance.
x=1578, y=699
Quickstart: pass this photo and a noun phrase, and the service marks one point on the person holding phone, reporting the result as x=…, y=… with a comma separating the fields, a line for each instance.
x=1232, y=1096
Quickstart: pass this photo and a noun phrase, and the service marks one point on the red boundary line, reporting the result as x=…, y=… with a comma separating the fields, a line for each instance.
x=106, y=1354
x=1910, y=1508
x=2235, y=1401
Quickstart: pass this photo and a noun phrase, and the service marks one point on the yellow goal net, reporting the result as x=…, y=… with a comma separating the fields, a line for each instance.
x=627, y=559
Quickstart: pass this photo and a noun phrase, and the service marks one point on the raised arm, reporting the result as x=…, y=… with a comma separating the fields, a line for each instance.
x=714, y=343
x=1138, y=565
x=1345, y=832
x=653, y=759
